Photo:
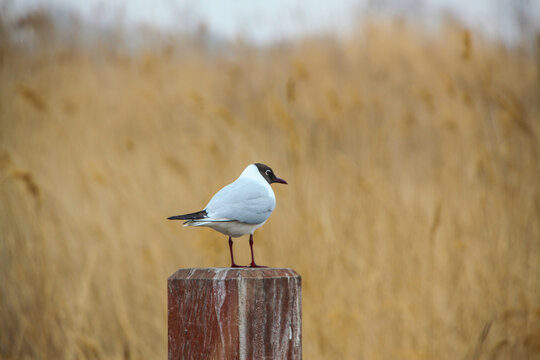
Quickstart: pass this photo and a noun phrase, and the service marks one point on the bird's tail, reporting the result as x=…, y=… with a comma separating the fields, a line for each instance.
x=190, y=217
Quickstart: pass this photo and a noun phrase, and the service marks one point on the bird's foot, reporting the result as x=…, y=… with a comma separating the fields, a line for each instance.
x=233, y=265
x=253, y=265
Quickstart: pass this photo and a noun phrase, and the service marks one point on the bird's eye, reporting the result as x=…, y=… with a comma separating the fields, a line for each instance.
x=268, y=172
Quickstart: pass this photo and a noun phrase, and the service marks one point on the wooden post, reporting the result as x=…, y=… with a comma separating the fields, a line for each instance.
x=235, y=313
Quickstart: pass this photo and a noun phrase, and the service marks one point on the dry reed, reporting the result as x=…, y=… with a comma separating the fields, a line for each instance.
x=412, y=210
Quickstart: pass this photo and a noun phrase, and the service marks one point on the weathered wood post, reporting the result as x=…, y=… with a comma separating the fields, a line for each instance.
x=235, y=313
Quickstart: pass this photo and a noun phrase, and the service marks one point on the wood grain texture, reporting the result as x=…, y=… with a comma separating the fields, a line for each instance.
x=229, y=313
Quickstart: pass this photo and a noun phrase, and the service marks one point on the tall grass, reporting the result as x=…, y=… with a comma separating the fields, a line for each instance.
x=412, y=210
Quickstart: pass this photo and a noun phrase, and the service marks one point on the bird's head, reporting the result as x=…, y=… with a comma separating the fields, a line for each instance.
x=268, y=174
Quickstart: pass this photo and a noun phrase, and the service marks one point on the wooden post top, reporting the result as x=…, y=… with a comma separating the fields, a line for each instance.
x=232, y=273
x=235, y=314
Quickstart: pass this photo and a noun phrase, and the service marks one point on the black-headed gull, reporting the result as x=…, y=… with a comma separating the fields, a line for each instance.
x=240, y=207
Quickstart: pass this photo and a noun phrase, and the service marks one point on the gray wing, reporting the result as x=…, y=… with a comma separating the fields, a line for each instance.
x=244, y=200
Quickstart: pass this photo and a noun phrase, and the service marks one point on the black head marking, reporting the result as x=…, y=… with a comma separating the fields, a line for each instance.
x=268, y=174
x=265, y=171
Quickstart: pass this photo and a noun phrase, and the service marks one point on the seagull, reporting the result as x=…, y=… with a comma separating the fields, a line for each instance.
x=239, y=208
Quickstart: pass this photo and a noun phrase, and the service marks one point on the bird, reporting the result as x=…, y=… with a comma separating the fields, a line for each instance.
x=239, y=208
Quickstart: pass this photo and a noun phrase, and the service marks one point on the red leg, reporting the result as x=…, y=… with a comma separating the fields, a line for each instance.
x=252, y=257
x=233, y=264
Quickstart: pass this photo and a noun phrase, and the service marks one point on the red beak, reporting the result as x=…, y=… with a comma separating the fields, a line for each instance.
x=281, y=181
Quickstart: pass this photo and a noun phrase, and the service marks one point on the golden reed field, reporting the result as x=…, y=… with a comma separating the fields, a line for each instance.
x=412, y=210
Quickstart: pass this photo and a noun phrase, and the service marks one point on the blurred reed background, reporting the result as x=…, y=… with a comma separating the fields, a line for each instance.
x=412, y=210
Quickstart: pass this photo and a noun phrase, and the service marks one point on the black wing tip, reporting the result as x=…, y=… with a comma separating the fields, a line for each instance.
x=193, y=216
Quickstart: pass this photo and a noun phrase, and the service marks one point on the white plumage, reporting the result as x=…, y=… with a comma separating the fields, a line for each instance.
x=240, y=207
